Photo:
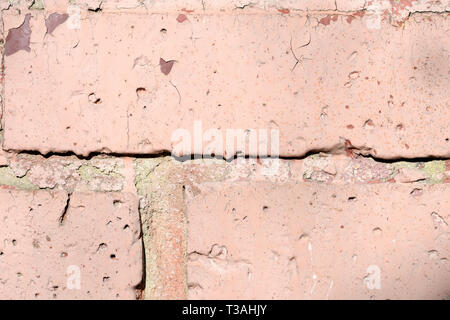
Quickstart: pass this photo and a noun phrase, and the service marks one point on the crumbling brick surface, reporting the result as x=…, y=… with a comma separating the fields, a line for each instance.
x=97, y=200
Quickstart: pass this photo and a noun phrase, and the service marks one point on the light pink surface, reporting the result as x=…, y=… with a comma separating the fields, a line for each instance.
x=257, y=240
x=100, y=235
x=324, y=73
x=77, y=90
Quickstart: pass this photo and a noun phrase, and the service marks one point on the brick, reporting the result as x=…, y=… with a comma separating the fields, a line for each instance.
x=77, y=89
x=164, y=184
x=42, y=245
x=161, y=185
x=78, y=104
x=260, y=240
x=197, y=6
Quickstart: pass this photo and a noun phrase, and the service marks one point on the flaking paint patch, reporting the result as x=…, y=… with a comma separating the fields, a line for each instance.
x=166, y=66
x=19, y=38
x=54, y=20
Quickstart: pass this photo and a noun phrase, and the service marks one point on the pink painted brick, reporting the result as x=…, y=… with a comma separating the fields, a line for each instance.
x=197, y=5
x=77, y=90
x=257, y=240
x=100, y=235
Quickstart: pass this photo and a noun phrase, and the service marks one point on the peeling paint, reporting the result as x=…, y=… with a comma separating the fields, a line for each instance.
x=166, y=66
x=19, y=38
x=54, y=20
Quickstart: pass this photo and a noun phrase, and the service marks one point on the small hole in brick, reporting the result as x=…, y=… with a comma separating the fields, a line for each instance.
x=14, y=242
x=351, y=199
x=125, y=227
x=140, y=91
x=113, y=256
x=265, y=208
x=93, y=99
x=163, y=30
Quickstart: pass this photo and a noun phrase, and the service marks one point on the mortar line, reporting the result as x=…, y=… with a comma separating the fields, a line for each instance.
x=194, y=156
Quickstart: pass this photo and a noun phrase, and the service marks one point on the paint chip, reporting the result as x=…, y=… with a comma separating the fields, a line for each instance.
x=166, y=66
x=54, y=20
x=19, y=38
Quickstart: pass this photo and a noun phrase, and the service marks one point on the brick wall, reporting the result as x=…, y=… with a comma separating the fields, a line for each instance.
x=224, y=149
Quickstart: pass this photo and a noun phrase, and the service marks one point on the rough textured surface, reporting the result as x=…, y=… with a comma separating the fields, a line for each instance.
x=70, y=173
x=347, y=83
x=168, y=188
x=380, y=91
x=299, y=241
x=41, y=238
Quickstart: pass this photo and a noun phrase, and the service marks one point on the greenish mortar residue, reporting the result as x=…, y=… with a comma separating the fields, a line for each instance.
x=404, y=164
x=37, y=5
x=434, y=171
x=8, y=178
x=87, y=172
x=143, y=170
x=143, y=180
